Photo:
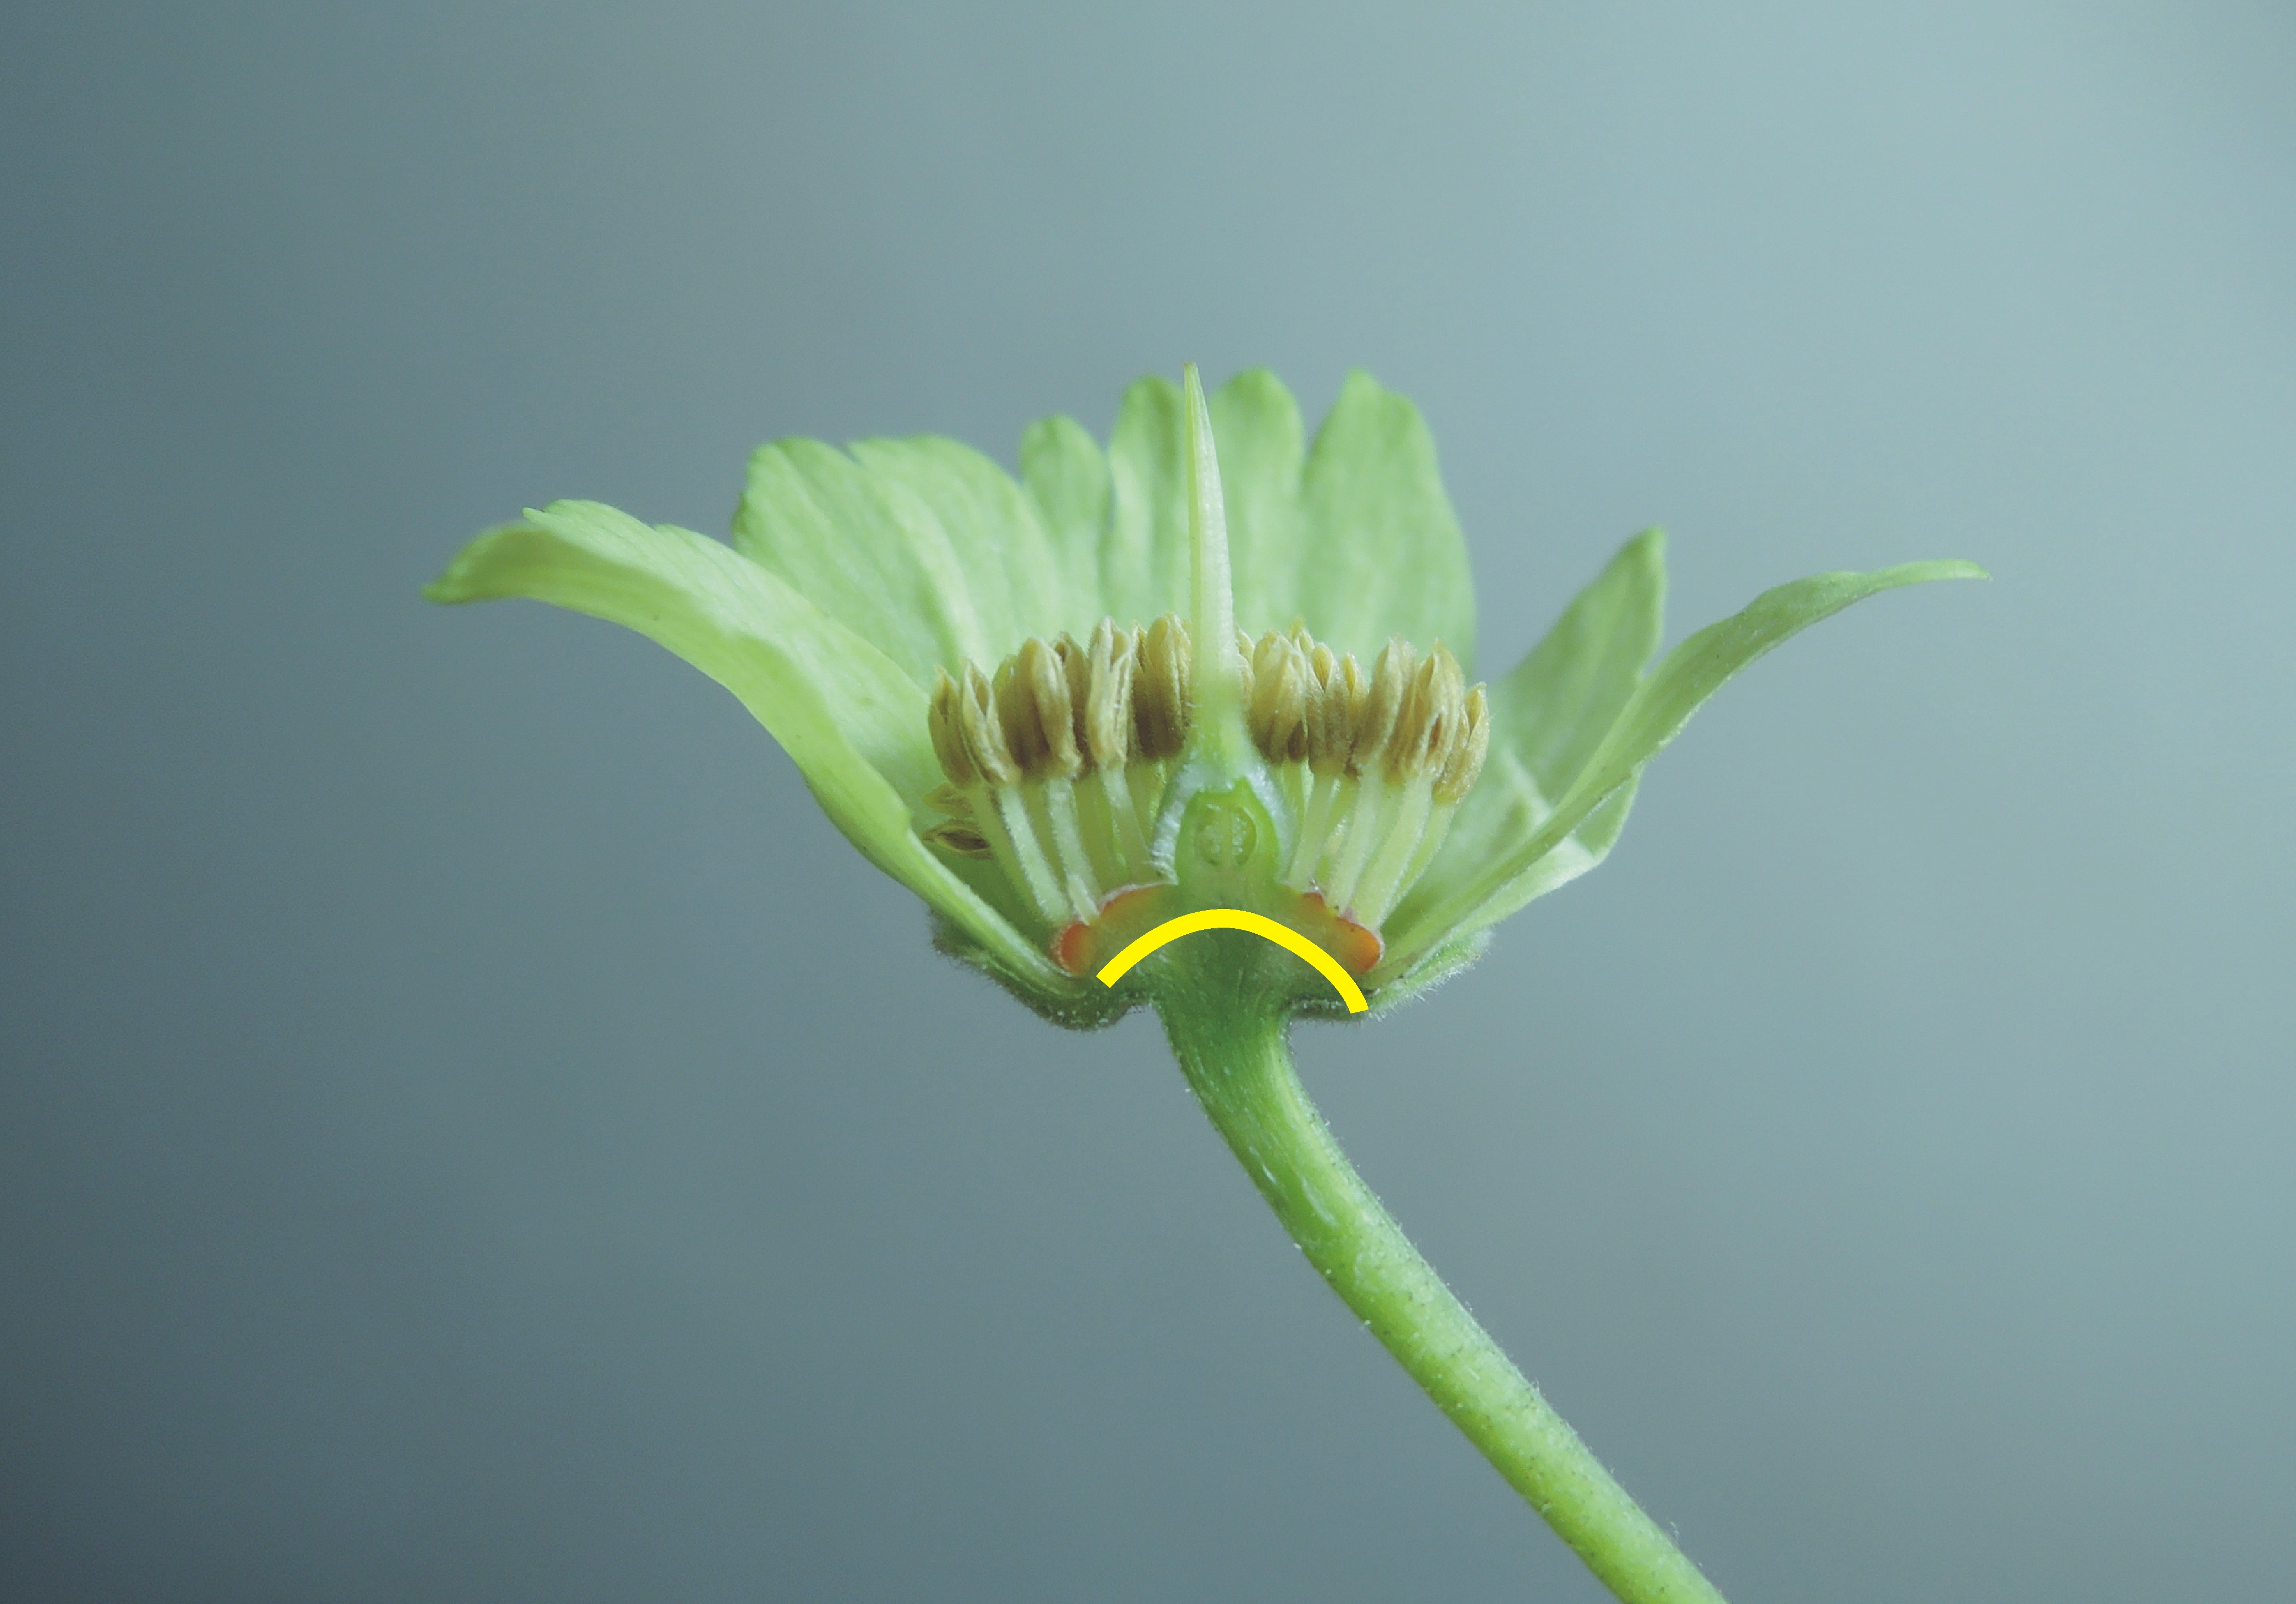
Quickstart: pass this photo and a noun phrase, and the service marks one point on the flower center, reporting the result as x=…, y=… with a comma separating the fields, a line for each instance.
x=1063, y=767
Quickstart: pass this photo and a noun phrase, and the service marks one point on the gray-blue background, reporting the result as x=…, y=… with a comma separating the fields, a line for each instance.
x=470, y=1130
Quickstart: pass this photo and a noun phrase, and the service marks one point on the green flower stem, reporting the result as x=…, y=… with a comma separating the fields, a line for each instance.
x=1232, y=1046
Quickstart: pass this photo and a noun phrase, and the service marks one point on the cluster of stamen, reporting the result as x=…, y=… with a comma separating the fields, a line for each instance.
x=1059, y=763
x=1374, y=768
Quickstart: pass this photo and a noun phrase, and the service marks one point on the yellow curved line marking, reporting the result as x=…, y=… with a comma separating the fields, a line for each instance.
x=1235, y=918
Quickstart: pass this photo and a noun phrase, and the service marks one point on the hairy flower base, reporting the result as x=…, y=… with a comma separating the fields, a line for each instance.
x=1085, y=946
x=1063, y=767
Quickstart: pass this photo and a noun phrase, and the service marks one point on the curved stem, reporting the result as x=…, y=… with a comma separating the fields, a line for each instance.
x=1235, y=1058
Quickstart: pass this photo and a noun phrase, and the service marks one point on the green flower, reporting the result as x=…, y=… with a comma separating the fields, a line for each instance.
x=1008, y=695
x=1067, y=711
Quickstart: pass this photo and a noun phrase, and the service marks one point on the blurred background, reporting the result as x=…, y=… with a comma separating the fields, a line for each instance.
x=470, y=1129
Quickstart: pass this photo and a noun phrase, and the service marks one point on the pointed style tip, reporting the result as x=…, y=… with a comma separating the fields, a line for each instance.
x=1219, y=721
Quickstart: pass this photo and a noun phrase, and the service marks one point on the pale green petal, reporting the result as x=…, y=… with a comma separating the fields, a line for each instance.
x=923, y=545
x=819, y=520
x=1064, y=475
x=1357, y=536
x=851, y=719
x=1143, y=557
x=1007, y=556
x=1661, y=705
x=1262, y=458
x=1381, y=551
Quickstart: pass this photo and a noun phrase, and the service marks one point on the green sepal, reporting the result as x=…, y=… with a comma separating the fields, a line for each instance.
x=848, y=717
x=1661, y=705
x=1554, y=709
x=1447, y=960
x=1075, y=1004
x=1547, y=717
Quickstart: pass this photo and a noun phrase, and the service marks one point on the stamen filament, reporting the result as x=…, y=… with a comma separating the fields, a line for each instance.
x=1019, y=831
x=1129, y=840
x=1375, y=895
x=1315, y=829
x=1431, y=842
x=1365, y=824
x=1060, y=805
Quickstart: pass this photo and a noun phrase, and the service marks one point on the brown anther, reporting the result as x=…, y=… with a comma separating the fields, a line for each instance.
x=1390, y=687
x=955, y=836
x=1466, y=761
x=1161, y=692
x=948, y=738
x=947, y=799
x=1049, y=682
x=1076, y=668
x=1335, y=702
x=974, y=718
x=967, y=736
x=1104, y=708
x=1432, y=720
x=1278, y=711
x=1032, y=699
x=1015, y=718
